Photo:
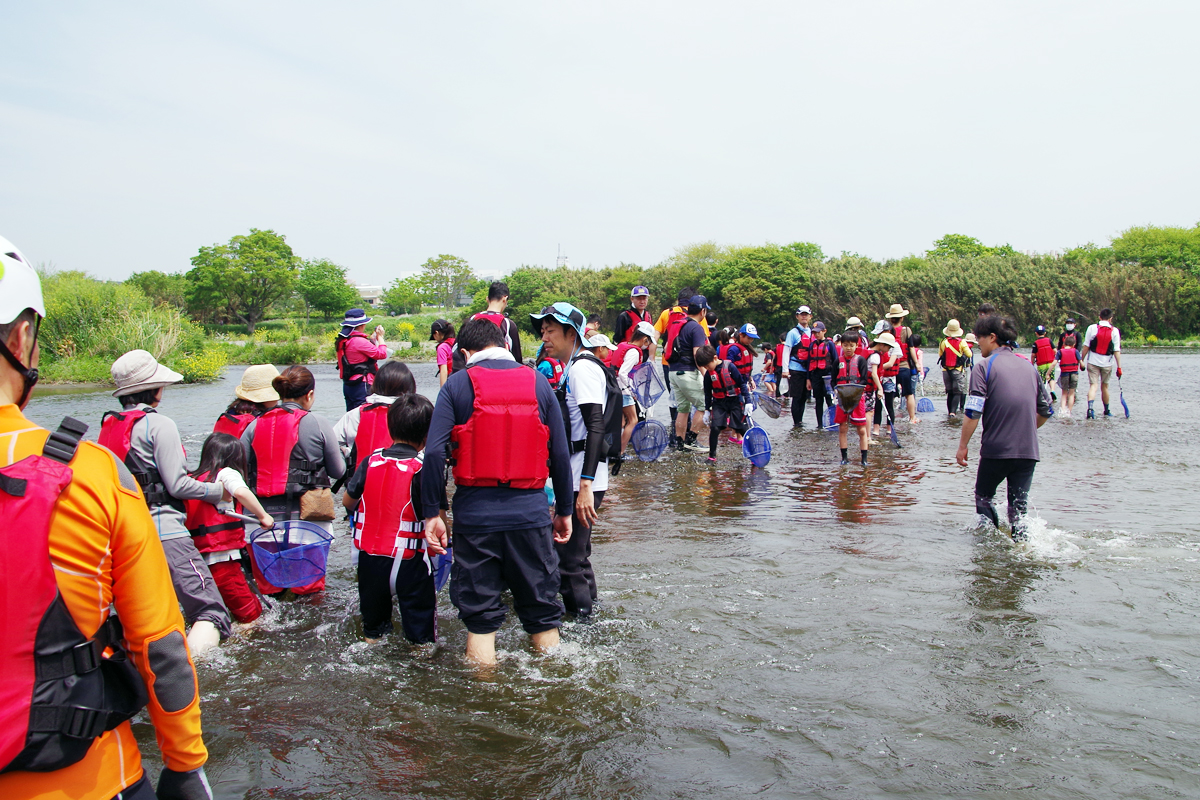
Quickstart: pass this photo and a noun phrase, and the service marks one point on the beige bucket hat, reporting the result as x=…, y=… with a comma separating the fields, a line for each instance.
x=256, y=384
x=897, y=310
x=853, y=322
x=137, y=370
x=953, y=329
x=885, y=338
x=970, y=339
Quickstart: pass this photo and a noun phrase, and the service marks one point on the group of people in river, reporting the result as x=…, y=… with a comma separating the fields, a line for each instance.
x=131, y=564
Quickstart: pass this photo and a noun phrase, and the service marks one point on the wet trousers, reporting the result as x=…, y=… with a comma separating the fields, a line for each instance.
x=231, y=582
x=411, y=581
x=798, y=389
x=1019, y=474
x=577, y=581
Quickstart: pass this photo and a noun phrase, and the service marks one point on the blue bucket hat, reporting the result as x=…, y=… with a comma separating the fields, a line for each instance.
x=565, y=313
x=354, y=318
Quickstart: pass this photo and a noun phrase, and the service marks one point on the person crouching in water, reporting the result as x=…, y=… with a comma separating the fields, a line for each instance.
x=252, y=398
x=389, y=528
x=503, y=537
x=854, y=370
x=1008, y=394
x=726, y=396
x=623, y=360
x=221, y=538
x=1068, y=371
x=149, y=444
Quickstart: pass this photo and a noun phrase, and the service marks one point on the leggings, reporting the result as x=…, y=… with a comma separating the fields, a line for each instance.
x=1019, y=473
x=816, y=378
x=798, y=389
x=889, y=399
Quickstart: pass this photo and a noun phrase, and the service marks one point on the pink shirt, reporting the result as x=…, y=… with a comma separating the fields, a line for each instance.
x=445, y=353
x=362, y=348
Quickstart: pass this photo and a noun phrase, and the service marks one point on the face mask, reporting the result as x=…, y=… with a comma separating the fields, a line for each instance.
x=1070, y=326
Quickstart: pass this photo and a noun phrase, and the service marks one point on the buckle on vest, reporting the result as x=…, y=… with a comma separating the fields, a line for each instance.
x=87, y=656
x=84, y=723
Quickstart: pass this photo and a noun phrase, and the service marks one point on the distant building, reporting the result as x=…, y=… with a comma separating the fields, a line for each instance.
x=370, y=295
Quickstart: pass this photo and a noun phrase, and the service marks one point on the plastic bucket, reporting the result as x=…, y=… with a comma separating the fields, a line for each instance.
x=293, y=553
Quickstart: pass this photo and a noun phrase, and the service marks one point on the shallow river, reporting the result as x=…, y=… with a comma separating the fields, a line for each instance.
x=803, y=630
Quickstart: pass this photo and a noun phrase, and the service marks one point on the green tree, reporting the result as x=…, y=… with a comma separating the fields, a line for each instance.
x=957, y=245
x=162, y=288
x=762, y=285
x=323, y=286
x=446, y=277
x=620, y=283
x=1173, y=247
x=242, y=279
x=404, y=295
x=807, y=250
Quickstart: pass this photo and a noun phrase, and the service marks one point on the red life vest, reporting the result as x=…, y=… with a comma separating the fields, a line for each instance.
x=801, y=351
x=778, y=355
x=557, y=368
x=280, y=466
x=505, y=442
x=950, y=353
x=902, y=335
x=723, y=351
x=818, y=357
x=1068, y=360
x=617, y=357
x=346, y=370
x=1102, y=343
x=497, y=319
x=745, y=361
x=372, y=431
x=1044, y=351
x=841, y=358
x=116, y=433
x=58, y=691
x=233, y=424
x=888, y=372
x=723, y=383
x=386, y=524
x=855, y=371
x=211, y=530
x=675, y=320
x=450, y=363
x=634, y=318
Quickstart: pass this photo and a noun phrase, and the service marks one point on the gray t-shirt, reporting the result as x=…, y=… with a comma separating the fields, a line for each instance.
x=1014, y=398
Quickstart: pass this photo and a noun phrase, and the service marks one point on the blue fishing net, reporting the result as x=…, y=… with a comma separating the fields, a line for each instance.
x=925, y=405
x=769, y=404
x=647, y=383
x=756, y=446
x=291, y=554
x=831, y=418
x=650, y=438
x=441, y=568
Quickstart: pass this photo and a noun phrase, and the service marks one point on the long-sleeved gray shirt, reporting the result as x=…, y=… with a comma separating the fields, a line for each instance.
x=155, y=440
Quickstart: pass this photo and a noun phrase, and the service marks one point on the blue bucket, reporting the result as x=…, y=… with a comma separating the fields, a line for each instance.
x=293, y=553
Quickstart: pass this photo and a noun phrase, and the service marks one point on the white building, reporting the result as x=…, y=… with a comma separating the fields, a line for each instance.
x=370, y=295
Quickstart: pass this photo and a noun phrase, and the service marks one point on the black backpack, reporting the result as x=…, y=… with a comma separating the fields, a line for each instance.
x=613, y=415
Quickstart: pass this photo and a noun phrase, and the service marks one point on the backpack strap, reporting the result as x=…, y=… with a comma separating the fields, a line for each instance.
x=62, y=444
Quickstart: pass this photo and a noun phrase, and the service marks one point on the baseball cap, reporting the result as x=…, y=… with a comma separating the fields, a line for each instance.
x=803, y=310
x=749, y=330
x=639, y=291
x=818, y=326
x=698, y=300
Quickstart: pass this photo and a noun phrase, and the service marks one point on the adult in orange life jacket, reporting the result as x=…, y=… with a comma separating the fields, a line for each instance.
x=389, y=528
x=1043, y=355
x=906, y=373
x=1101, y=352
x=148, y=443
x=503, y=536
x=623, y=360
x=358, y=356
x=628, y=320
x=668, y=325
x=218, y=535
x=254, y=395
x=497, y=303
x=853, y=371
x=954, y=355
x=290, y=451
x=441, y=332
x=1068, y=372
x=87, y=546
x=363, y=430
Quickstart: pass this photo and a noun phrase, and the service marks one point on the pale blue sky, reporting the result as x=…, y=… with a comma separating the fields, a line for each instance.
x=379, y=134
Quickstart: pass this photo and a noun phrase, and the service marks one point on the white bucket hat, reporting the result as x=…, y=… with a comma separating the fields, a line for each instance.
x=256, y=384
x=137, y=370
x=600, y=340
x=648, y=329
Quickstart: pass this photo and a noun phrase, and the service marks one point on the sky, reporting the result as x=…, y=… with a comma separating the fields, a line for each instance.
x=380, y=134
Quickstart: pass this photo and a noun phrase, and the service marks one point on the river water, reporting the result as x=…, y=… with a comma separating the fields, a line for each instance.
x=801, y=630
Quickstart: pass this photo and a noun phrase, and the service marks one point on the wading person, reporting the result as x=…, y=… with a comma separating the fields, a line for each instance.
x=292, y=458
x=906, y=366
x=741, y=351
x=726, y=397
x=363, y=430
x=497, y=303
x=441, y=332
x=668, y=324
x=1008, y=395
x=389, y=528
x=1044, y=357
x=253, y=396
x=583, y=399
x=853, y=373
x=503, y=535
x=954, y=355
x=623, y=360
x=795, y=364
x=1101, y=352
x=686, y=383
x=148, y=443
x=1068, y=372
x=819, y=373
x=86, y=547
x=358, y=356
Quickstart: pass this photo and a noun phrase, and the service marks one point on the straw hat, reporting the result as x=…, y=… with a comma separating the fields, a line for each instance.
x=970, y=338
x=256, y=384
x=953, y=330
x=853, y=322
x=897, y=310
x=137, y=370
x=885, y=338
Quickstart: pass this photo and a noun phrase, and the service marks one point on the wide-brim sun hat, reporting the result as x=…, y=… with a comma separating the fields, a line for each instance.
x=639, y=291
x=256, y=384
x=750, y=331
x=972, y=339
x=567, y=314
x=600, y=340
x=881, y=326
x=355, y=317
x=648, y=329
x=953, y=329
x=897, y=310
x=137, y=371
x=853, y=322
x=885, y=338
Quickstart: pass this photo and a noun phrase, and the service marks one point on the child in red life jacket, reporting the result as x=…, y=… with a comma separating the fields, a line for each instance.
x=1068, y=371
x=389, y=528
x=221, y=538
x=726, y=396
x=853, y=371
x=768, y=372
x=622, y=360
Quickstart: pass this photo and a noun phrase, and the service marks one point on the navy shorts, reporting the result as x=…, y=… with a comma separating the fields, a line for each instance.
x=523, y=561
x=905, y=383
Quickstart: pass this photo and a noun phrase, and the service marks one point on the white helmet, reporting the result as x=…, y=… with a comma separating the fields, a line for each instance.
x=20, y=286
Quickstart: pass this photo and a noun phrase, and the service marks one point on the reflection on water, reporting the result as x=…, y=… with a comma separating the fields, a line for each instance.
x=805, y=629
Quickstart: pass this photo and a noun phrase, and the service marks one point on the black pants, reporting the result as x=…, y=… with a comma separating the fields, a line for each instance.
x=577, y=581
x=1019, y=473
x=816, y=377
x=523, y=561
x=141, y=789
x=414, y=592
x=726, y=413
x=889, y=399
x=798, y=389
x=355, y=393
